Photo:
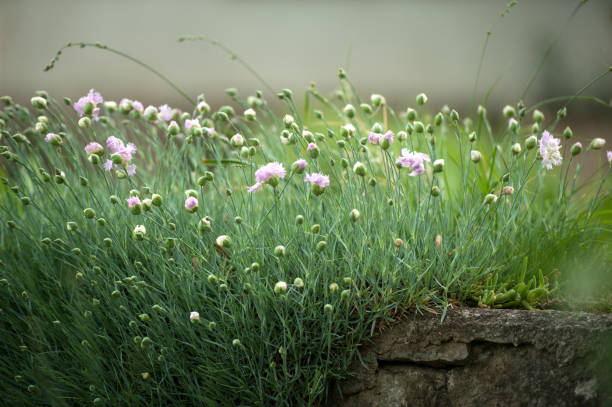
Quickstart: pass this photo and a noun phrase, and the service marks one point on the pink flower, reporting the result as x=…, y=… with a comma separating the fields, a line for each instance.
x=116, y=146
x=94, y=148
x=137, y=106
x=414, y=161
x=133, y=201
x=130, y=169
x=301, y=164
x=609, y=156
x=191, y=204
x=191, y=123
x=376, y=138
x=165, y=113
x=319, y=182
x=311, y=146
x=92, y=97
x=53, y=138
x=270, y=173
x=108, y=165
x=317, y=179
x=550, y=150
x=209, y=131
x=256, y=187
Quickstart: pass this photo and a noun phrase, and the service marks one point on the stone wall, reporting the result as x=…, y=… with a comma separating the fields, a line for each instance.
x=483, y=357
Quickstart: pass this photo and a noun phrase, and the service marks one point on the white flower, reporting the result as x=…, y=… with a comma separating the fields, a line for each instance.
x=549, y=150
x=140, y=229
x=194, y=317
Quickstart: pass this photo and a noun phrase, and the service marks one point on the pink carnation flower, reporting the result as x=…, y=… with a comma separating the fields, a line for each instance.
x=165, y=113
x=190, y=123
x=51, y=137
x=269, y=173
x=133, y=201
x=301, y=163
x=130, y=169
x=108, y=165
x=94, y=97
x=550, y=150
x=376, y=138
x=191, y=204
x=137, y=106
x=414, y=161
x=311, y=146
x=317, y=179
x=94, y=148
x=609, y=156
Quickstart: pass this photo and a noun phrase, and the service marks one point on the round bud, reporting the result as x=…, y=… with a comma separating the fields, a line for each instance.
x=84, y=122
x=531, y=142
x=562, y=113
x=89, y=213
x=438, y=165
x=509, y=111
x=598, y=143
x=411, y=114
x=398, y=242
x=299, y=220
x=279, y=251
x=472, y=137
x=359, y=169
x=421, y=99
x=377, y=100
x=280, y=287
x=568, y=133
x=39, y=102
x=298, y=282
x=224, y=241
x=107, y=242
x=250, y=114
x=507, y=190
x=576, y=148
x=237, y=140
x=481, y=110
x=321, y=245
x=236, y=343
x=438, y=119
x=328, y=308
x=490, y=198
x=365, y=108
x=349, y=111
x=454, y=116
x=516, y=148
x=435, y=190
x=538, y=116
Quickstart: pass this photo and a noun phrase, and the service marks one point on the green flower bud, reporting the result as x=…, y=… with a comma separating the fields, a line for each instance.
x=116, y=294
x=597, y=143
x=421, y=99
x=435, y=190
x=490, y=198
x=84, y=122
x=279, y=251
x=372, y=182
x=562, y=113
x=89, y=213
x=212, y=279
x=315, y=228
x=509, y=111
x=146, y=343
x=411, y=114
x=255, y=267
x=438, y=165
x=298, y=282
x=25, y=200
x=280, y=287
x=377, y=100
x=419, y=128
x=299, y=220
x=72, y=226
x=576, y=148
x=321, y=245
x=94, y=159
x=39, y=102
x=236, y=343
x=516, y=148
x=355, y=215
x=365, y=108
x=224, y=241
x=349, y=111
x=531, y=142
x=359, y=169
x=328, y=308
x=454, y=116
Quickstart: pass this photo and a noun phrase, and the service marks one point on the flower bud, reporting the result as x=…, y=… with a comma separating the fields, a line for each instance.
x=224, y=241
x=279, y=251
x=359, y=169
x=204, y=225
x=299, y=220
x=94, y=159
x=513, y=125
x=250, y=114
x=531, y=142
x=568, y=133
x=333, y=287
x=321, y=245
x=438, y=165
x=280, y=287
x=421, y=99
x=288, y=120
x=194, y=317
x=475, y=156
x=598, y=143
x=538, y=116
x=89, y=213
x=481, y=110
x=490, y=198
x=298, y=282
x=398, y=243
x=411, y=114
x=561, y=113
x=236, y=343
x=435, y=190
x=72, y=226
x=328, y=308
x=509, y=112
x=173, y=128
x=203, y=107
x=377, y=100
x=507, y=190
x=354, y=215
x=372, y=182
x=349, y=111
x=146, y=343
x=237, y=140
x=365, y=108
x=454, y=116
x=84, y=122
x=315, y=228
x=39, y=102
x=576, y=148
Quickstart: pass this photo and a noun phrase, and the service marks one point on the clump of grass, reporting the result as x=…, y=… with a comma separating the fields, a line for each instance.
x=230, y=256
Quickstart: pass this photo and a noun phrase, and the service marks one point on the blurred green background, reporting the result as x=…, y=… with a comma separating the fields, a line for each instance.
x=397, y=48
